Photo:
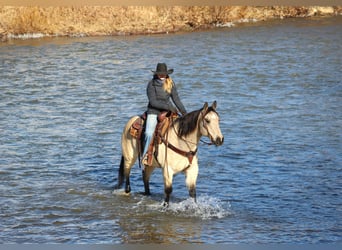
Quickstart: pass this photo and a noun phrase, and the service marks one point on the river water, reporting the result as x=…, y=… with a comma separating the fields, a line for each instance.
x=276, y=179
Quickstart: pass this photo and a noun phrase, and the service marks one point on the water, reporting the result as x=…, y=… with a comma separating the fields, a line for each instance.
x=276, y=179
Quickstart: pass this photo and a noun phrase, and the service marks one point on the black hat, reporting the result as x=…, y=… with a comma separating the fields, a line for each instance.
x=162, y=69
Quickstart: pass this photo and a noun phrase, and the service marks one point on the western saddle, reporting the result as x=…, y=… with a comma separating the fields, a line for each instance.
x=165, y=119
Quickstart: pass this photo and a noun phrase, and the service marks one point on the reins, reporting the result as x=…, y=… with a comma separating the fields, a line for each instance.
x=188, y=154
x=206, y=143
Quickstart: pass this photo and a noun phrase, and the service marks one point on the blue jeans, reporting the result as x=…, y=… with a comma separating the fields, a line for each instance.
x=151, y=123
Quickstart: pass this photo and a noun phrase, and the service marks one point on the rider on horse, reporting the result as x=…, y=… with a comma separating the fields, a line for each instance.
x=162, y=96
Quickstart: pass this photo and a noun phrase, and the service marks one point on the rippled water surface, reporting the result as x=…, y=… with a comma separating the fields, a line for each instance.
x=277, y=178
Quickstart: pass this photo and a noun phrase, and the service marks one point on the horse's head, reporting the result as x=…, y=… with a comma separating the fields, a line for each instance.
x=210, y=124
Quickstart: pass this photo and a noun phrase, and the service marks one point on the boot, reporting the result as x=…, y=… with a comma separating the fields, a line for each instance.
x=148, y=157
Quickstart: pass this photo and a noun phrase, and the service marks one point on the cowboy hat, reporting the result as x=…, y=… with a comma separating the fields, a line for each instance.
x=161, y=69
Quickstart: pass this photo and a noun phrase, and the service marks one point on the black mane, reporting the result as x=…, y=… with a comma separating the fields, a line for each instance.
x=188, y=122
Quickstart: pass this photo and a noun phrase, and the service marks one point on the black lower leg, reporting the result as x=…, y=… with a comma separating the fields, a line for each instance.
x=121, y=174
x=127, y=186
x=192, y=193
x=146, y=183
x=168, y=191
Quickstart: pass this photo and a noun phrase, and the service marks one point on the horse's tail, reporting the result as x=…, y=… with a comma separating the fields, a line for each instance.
x=121, y=173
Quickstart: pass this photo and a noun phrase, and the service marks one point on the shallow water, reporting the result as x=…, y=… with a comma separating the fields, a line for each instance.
x=276, y=179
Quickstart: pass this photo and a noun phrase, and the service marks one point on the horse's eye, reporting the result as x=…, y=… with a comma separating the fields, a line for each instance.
x=207, y=120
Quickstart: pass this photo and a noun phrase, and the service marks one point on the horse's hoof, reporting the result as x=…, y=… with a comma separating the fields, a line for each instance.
x=165, y=204
x=145, y=194
x=120, y=192
x=128, y=189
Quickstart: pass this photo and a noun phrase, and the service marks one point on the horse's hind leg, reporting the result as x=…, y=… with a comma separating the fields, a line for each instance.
x=127, y=171
x=128, y=185
x=124, y=173
x=120, y=174
x=129, y=148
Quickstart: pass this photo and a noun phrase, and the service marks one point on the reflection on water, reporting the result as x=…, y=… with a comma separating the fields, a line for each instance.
x=64, y=102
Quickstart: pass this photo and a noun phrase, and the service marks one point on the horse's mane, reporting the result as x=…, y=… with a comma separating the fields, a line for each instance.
x=188, y=122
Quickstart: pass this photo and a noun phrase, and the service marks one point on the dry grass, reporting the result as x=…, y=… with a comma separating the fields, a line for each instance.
x=115, y=20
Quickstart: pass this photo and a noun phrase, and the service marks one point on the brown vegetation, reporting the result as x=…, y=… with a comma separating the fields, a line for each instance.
x=15, y=22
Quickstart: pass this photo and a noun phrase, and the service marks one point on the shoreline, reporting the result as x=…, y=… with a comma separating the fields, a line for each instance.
x=29, y=22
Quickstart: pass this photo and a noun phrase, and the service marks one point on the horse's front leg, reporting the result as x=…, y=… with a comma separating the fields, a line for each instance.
x=168, y=176
x=191, y=179
x=192, y=192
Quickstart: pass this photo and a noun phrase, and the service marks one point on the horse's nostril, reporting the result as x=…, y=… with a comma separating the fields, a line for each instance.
x=219, y=141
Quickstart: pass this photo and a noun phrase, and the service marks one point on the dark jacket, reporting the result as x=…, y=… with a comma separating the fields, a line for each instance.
x=160, y=100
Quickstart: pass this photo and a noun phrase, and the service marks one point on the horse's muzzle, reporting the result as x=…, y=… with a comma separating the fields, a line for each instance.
x=218, y=141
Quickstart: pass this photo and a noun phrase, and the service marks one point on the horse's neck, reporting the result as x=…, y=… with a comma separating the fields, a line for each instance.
x=188, y=142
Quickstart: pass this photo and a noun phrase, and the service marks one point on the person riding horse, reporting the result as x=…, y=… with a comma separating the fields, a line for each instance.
x=177, y=148
x=162, y=96
x=177, y=151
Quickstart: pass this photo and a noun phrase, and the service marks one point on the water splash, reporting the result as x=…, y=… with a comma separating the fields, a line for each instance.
x=205, y=208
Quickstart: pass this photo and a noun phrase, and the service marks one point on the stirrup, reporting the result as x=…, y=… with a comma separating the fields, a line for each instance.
x=147, y=160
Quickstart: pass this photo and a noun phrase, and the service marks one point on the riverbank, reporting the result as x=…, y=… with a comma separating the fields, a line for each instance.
x=33, y=22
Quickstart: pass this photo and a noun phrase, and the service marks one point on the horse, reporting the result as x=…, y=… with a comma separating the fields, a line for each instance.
x=177, y=153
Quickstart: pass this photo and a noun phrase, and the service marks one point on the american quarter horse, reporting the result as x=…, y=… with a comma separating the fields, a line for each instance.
x=177, y=153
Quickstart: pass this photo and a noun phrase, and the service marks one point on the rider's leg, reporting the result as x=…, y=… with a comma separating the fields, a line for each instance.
x=151, y=123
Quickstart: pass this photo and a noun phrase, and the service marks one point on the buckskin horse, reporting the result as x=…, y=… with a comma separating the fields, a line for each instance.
x=177, y=149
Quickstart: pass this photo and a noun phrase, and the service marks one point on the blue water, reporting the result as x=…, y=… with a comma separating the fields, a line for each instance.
x=276, y=179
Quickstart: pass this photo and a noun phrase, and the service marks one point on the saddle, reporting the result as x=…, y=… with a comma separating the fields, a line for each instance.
x=165, y=119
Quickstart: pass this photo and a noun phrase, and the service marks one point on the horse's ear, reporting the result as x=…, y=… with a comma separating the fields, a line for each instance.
x=205, y=107
x=214, y=105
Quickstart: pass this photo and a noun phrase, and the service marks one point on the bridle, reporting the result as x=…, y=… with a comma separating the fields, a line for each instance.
x=206, y=128
x=191, y=153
